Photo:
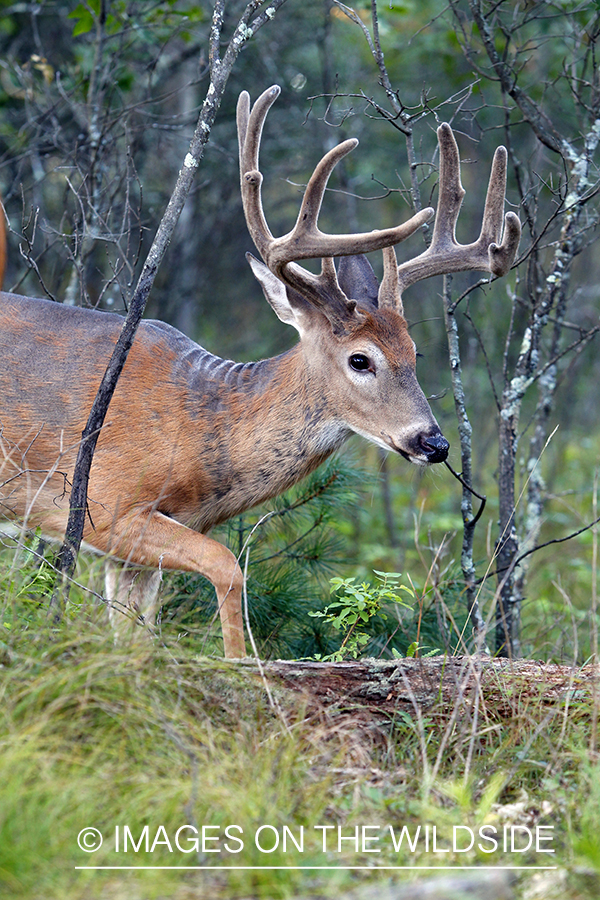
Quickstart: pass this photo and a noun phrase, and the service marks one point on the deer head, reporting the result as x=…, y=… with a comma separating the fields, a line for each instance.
x=353, y=332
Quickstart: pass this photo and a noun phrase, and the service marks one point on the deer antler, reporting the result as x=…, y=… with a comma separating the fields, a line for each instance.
x=305, y=240
x=493, y=251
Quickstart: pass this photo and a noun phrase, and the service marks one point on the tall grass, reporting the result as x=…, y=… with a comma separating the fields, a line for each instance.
x=151, y=734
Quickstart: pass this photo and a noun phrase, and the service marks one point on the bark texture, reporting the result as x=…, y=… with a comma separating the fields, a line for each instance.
x=377, y=689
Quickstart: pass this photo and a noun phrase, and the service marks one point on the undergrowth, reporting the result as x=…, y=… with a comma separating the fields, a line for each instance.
x=172, y=748
x=180, y=759
x=297, y=548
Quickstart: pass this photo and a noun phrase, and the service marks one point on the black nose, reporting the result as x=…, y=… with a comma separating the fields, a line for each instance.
x=435, y=447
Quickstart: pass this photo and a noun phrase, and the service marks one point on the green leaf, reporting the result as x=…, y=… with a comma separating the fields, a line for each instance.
x=85, y=19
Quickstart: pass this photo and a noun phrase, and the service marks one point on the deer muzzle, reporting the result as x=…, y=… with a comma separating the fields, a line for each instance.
x=434, y=447
x=424, y=449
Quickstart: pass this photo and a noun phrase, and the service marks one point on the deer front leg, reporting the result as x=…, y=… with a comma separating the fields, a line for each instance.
x=153, y=539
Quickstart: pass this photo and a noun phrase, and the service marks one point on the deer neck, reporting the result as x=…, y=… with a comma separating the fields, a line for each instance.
x=274, y=427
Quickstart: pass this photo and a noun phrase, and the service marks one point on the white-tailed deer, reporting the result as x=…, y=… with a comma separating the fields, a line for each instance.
x=191, y=439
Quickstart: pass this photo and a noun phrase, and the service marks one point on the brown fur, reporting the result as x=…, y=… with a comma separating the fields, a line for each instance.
x=189, y=440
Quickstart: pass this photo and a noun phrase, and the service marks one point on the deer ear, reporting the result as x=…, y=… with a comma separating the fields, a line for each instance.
x=358, y=280
x=287, y=304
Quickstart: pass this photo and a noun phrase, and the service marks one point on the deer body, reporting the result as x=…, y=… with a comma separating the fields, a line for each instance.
x=197, y=437
x=185, y=434
x=190, y=439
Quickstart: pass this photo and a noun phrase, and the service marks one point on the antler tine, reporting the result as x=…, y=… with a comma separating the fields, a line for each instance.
x=306, y=223
x=445, y=254
x=242, y=114
x=389, y=291
x=500, y=256
x=503, y=256
x=493, y=212
x=451, y=191
x=307, y=241
x=250, y=122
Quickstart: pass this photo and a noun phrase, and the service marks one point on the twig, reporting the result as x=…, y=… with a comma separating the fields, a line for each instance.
x=471, y=490
x=515, y=563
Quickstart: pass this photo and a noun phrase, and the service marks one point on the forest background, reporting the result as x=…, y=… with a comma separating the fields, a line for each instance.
x=97, y=104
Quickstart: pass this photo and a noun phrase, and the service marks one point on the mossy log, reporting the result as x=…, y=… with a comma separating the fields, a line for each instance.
x=437, y=685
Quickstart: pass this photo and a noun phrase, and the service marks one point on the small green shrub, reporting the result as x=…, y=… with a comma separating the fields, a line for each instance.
x=357, y=605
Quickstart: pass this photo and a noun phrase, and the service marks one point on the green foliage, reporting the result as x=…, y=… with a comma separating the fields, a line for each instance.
x=98, y=735
x=159, y=18
x=294, y=547
x=24, y=587
x=87, y=15
x=357, y=605
x=297, y=545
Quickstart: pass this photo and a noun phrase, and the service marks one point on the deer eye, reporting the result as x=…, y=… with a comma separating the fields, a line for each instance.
x=361, y=363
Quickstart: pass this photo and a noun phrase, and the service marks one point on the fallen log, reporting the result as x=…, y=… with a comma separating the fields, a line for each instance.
x=438, y=685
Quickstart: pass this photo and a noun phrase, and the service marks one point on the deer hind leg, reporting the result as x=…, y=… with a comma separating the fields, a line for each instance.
x=153, y=539
x=132, y=596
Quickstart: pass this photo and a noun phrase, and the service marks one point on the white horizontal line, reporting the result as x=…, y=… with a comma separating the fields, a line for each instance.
x=321, y=868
